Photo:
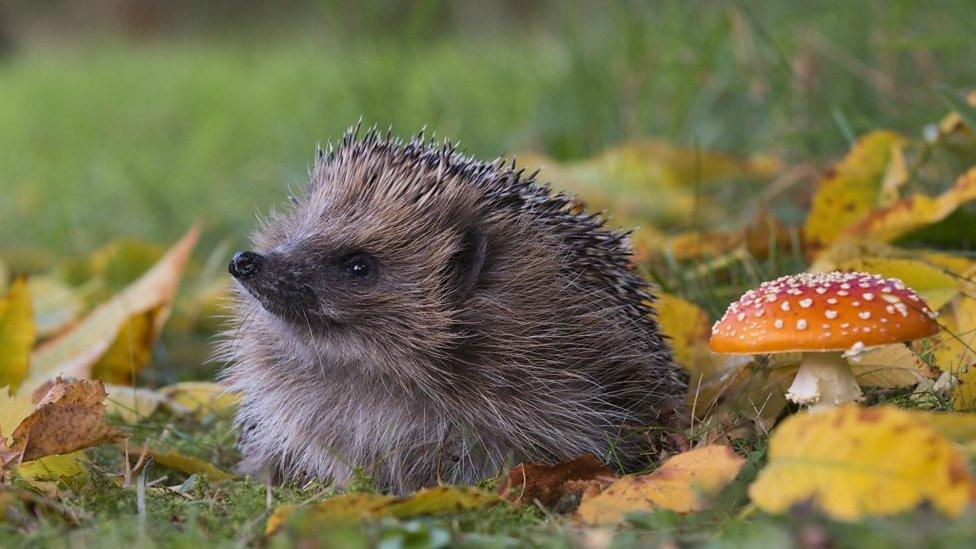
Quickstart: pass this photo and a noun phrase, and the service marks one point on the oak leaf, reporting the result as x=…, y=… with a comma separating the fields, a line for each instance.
x=682, y=484
x=852, y=462
x=70, y=417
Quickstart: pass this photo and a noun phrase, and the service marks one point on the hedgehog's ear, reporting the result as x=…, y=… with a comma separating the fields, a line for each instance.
x=468, y=263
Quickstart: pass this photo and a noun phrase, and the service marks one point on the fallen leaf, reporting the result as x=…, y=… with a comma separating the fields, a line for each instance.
x=4, y=276
x=201, y=398
x=190, y=465
x=955, y=349
x=686, y=324
x=439, y=500
x=895, y=177
x=681, y=484
x=851, y=189
x=915, y=211
x=120, y=262
x=76, y=351
x=132, y=404
x=852, y=462
x=130, y=351
x=889, y=367
x=70, y=417
x=17, y=334
x=43, y=474
x=530, y=482
x=56, y=305
x=14, y=407
x=956, y=426
x=929, y=281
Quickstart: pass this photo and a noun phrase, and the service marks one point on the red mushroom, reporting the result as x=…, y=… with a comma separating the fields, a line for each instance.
x=824, y=316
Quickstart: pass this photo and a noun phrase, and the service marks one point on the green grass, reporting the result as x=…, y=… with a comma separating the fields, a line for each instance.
x=104, y=138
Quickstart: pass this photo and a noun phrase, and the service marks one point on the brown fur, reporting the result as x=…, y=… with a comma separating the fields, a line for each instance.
x=499, y=325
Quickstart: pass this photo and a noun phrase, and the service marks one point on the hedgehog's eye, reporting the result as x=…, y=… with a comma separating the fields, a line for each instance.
x=359, y=265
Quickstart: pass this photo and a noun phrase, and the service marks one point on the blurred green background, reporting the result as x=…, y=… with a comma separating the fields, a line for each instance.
x=126, y=118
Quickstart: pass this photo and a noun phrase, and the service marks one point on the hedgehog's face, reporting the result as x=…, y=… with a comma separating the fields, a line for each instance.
x=311, y=288
x=366, y=275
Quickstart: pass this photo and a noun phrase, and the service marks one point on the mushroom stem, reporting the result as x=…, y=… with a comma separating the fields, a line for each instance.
x=824, y=380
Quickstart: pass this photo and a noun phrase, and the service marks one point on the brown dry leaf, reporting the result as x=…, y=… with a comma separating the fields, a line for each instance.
x=851, y=189
x=75, y=352
x=439, y=500
x=70, y=417
x=190, y=465
x=130, y=351
x=681, y=484
x=852, y=462
x=17, y=334
x=916, y=211
x=530, y=482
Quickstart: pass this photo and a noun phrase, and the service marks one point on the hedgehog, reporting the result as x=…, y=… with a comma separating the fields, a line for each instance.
x=417, y=316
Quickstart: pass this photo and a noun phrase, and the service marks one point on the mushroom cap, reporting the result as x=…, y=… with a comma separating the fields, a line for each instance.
x=822, y=312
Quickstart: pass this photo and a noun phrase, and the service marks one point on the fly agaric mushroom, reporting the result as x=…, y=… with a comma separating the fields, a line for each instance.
x=826, y=317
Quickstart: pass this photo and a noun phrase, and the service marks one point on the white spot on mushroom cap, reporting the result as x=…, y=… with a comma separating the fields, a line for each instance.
x=805, y=303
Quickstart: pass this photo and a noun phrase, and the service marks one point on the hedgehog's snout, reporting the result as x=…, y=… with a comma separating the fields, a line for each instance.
x=245, y=265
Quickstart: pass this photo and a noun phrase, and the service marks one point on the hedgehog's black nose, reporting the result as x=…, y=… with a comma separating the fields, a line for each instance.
x=245, y=264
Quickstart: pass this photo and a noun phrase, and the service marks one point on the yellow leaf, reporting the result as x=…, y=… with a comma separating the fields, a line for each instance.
x=851, y=189
x=916, y=211
x=70, y=417
x=680, y=484
x=190, y=465
x=687, y=326
x=929, y=281
x=895, y=177
x=955, y=350
x=53, y=468
x=651, y=183
x=130, y=351
x=132, y=405
x=889, y=367
x=56, y=305
x=13, y=409
x=439, y=500
x=201, y=398
x=120, y=262
x=852, y=462
x=960, y=427
x=17, y=334
x=77, y=350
